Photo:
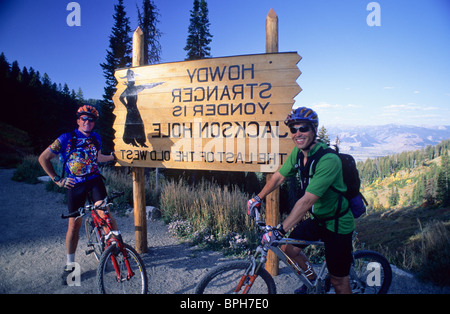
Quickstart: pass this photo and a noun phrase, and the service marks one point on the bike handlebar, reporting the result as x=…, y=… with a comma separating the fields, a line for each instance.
x=82, y=210
x=261, y=224
x=71, y=215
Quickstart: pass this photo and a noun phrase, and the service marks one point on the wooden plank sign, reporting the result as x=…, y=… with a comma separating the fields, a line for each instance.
x=211, y=114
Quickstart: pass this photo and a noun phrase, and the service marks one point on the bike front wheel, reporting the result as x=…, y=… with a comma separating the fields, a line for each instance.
x=232, y=278
x=113, y=273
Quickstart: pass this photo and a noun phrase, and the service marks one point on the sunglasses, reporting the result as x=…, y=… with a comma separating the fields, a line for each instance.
x=90, y=119
x=302, y=129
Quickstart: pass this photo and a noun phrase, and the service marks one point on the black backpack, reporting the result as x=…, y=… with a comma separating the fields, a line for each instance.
x=357, y=202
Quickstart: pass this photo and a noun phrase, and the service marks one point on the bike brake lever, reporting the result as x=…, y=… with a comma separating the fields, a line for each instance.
x=261, y=224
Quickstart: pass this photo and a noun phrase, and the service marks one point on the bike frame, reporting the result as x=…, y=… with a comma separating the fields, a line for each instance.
x=322, y=282
x=103, y=225
x=251, y=273
x=110, y=238
x=294, y=266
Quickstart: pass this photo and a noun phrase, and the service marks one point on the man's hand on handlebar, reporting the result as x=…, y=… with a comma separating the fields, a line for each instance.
x=273, y=234
x=253, y=207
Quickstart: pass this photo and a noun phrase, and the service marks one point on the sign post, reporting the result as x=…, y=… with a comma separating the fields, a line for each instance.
x=273, y=199
x=140, y=217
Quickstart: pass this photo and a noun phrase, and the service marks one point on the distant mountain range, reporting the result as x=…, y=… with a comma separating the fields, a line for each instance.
x=364, y=142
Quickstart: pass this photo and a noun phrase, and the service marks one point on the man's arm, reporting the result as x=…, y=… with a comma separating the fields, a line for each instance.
x=274, y=182
x=45, y=161
x=104, y=158
x=299, y=210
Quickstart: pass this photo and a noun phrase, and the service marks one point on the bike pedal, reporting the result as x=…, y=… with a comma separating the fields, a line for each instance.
x=89, y=252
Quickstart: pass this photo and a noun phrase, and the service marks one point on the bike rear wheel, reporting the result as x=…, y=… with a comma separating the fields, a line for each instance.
x=370, y=273
x=113, y=260
x=225, y=278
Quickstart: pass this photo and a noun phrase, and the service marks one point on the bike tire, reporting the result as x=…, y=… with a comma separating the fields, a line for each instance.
x=92, y=240
x=106, y=275
x=367, y=278
x=376, y=277
x=224, y=278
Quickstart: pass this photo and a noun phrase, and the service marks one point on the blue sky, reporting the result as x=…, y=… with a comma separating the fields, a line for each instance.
x=352, y=73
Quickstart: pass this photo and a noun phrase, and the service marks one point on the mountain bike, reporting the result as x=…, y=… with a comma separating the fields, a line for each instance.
x=370, y=272
x=120, y=268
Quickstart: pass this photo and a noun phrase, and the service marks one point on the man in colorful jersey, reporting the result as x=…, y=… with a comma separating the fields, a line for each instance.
x=79, y=151
x=317, y=197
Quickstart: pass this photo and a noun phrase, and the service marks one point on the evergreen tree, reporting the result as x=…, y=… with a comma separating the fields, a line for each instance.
x=394, y=197
x=4, y=67
x=323, y=136
x=147, y=22
x=15, y=71
x=32, y=102
x=66, y=90
x=25, y=76
x=79, y=96
x=118, y=56
x=430, y=191
x=443, y=182
x=199, y=36
x=337, y=141
x=46, y=81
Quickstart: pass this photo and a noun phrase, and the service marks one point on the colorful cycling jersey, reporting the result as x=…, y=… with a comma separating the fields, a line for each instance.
x=81, y=160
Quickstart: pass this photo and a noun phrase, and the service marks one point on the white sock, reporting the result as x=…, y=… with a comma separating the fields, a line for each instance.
x=70, y=258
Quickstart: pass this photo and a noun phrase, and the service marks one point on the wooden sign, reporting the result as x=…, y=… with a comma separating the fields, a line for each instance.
x=211, y=114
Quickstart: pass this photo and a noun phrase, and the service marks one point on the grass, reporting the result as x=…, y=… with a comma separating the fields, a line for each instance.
x=208, y=214
x=430, y=252
x=28, y=170
x=14, y=145
x=416, y=239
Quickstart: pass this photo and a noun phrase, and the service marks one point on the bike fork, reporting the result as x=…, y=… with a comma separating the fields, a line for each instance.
x=126, y=259
x=247, y=281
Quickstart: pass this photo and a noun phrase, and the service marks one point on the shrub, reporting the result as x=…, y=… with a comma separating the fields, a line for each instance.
x=430, y=253
x=28, y=170
x=216, y=214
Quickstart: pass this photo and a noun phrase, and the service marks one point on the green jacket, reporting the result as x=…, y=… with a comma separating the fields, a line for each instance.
x=328, y=173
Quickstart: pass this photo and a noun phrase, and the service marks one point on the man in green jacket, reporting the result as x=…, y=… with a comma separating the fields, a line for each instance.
x=319, y=198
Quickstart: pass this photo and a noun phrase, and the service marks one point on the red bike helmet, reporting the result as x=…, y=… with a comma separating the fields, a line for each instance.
x=87, y=110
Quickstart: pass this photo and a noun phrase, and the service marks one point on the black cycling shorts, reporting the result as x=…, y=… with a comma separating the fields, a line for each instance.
x=338, y=247
x=76, y=196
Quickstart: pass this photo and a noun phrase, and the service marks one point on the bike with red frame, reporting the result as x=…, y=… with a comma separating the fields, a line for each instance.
x=120, y=268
